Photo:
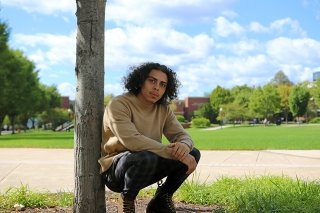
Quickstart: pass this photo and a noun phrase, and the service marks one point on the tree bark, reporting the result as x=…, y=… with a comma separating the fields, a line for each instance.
x=89, y=191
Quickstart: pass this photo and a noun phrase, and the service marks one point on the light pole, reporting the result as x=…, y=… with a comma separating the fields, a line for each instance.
x=221, y=117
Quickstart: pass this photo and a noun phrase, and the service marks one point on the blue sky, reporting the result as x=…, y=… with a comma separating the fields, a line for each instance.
x=207, y=42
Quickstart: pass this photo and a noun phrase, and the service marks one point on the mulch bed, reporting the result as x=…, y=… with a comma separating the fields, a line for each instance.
x=141, y=203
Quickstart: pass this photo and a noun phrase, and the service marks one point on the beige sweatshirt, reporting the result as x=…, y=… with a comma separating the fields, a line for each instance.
x=129, y=124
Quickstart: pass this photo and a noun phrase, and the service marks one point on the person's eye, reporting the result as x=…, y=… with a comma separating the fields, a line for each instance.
x=163, y=85
x=152, y=80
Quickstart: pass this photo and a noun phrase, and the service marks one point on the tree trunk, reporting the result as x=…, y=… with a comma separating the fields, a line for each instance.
x=89, y=192
x=1, y=122
x=12, y=122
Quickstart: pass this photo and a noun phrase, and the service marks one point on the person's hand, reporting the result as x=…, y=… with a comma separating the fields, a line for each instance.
x=179, y=150
x=190, y=162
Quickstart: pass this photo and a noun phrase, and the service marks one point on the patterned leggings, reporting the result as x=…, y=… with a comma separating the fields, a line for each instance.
x=132, y=171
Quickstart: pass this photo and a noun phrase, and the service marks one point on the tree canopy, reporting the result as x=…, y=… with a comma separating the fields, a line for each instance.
x=218, y=97
x=280, y=79
x=21, y=93
x=298, y=100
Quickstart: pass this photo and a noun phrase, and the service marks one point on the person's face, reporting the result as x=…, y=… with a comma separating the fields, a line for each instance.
x=153, y=87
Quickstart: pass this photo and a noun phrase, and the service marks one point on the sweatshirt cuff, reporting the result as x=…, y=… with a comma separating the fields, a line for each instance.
x=188, y=144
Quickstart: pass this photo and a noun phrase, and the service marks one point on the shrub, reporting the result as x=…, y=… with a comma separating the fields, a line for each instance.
x=315, y=120
x=181, y=118
x=200, y=122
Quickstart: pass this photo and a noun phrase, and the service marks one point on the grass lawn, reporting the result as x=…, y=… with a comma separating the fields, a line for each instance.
x=38, y=139
x=302, y=137
x=258, y=137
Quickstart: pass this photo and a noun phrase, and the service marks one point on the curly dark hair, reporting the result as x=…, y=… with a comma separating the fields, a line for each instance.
x=134, y=80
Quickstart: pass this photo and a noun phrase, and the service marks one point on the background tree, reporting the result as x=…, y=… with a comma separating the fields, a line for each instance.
x=4, y=54
x=311, y=109
x=206, y=111
x=218, y=97
x=241, y=95
x=22, y=81
x=265, y=101
x=280, y=79
x=31, y=101
x=59, y=117
x=284, y=91
x=89, y=191
x=232, y=112
x=4, y=36
x=19, y=82
x=31, y=96
x=315, y=92
x=50, y=100
x=298, y=100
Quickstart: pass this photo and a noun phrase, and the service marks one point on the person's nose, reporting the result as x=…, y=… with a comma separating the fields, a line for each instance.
x=156, y=86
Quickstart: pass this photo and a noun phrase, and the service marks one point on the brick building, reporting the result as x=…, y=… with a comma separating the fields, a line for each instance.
x=179, y=107
x=65, y=102
x=187, y=106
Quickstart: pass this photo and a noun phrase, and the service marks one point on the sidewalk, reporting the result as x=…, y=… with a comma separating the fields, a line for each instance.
x=52, y=169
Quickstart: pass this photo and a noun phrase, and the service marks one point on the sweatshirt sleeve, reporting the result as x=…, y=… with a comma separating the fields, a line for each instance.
x=174, y=131
x=118, y=119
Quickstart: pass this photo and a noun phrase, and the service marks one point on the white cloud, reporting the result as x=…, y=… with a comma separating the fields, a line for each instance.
x=67, y=89
x=225, y=28
x=242, y=47
x=133, y=45
x=248, y=66
x=294, y=51
x=45, y=7
x=225, y=71
x=190, y=79
x=47, y=49
x=201, y=63
x=287, y=25
x=53, y=55
x=38, y=57
x=257, y=27
x=297, y=72
x=115, y=88
x=164, y=12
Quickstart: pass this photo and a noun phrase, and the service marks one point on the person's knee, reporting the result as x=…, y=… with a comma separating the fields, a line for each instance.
x=196, y=154
x=145, y=158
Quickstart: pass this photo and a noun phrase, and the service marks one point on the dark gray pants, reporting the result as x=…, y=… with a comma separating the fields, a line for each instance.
x=132, y=171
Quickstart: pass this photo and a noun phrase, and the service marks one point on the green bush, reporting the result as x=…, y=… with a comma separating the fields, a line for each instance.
x=181, y=118
x=200, y=122
x=315, y=120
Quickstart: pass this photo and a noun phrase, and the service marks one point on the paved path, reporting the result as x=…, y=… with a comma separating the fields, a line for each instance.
x=52, y=169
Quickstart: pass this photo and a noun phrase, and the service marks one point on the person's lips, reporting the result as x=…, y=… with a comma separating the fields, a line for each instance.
x=154, y=94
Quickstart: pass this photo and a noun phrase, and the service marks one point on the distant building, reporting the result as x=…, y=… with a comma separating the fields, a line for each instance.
x=179, y=110
x=187, y=106
x=65, y=102
x=316, y=75
x=192, y=104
